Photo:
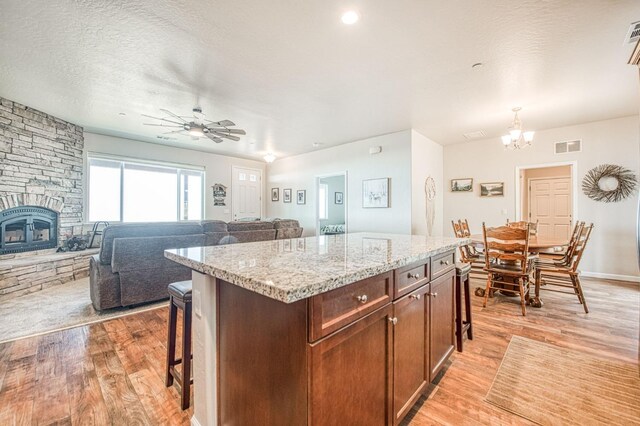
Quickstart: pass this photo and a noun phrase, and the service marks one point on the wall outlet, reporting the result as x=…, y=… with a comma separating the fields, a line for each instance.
x=197, y=303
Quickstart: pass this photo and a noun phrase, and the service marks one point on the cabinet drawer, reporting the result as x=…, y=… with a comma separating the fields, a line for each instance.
x=410, y=277
x=441, y=264
x=334, y=309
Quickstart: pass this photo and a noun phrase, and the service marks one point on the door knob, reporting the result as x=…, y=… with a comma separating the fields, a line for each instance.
x=393, y=320
x=362, y=299
x=416, y=276
x=433, y=294
x=415, y=296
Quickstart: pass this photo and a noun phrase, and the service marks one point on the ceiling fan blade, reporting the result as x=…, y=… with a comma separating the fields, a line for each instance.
x=166, y=111
x=226, y=136
x=162, y=125
x=223, y=123
x=162, y=119
x=228, y=131
x=214, y=138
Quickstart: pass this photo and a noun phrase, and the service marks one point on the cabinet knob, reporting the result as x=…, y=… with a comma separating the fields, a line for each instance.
x=416, y=276
x=444, y=262
x=393, y=320
x=415, y=296
x=362, y=299
x=433, y=294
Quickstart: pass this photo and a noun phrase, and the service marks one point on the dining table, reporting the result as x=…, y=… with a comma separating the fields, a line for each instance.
x=537, y=244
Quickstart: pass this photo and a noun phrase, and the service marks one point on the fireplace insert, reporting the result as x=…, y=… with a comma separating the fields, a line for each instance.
x=28, y=228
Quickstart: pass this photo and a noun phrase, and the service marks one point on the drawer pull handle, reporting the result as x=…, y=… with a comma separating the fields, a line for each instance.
x=415, y=296
x=362, y=299
x=416, y=276
x=444, y=262
x=433, y=294
x=393, y=320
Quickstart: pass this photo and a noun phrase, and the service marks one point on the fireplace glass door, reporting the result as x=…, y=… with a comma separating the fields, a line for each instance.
x=27, y=228
x=15, y=233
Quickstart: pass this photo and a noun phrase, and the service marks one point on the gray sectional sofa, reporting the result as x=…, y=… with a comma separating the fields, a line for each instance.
x=131, y=268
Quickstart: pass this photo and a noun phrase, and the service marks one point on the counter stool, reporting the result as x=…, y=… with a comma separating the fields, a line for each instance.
x=462, y=280
x=180, y=298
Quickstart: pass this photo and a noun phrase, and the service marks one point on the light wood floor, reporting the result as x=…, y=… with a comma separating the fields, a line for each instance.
x=113, y=372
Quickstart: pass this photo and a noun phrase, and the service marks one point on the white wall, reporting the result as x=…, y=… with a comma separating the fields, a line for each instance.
x=426, y=160
x=299, y=172
x=335, y=212
x=612, y=249
x=217, y=167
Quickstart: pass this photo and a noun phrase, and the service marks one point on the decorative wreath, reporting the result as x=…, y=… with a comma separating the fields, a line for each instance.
x=625, y=178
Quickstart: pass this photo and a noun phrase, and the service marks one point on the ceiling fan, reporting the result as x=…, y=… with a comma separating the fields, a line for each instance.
x=196, y=126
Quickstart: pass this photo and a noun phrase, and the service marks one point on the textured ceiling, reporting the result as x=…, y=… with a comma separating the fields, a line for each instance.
x=291, y=74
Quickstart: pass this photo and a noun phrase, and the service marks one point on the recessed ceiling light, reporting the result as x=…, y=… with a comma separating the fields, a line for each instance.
x=350, y=17
x=477, y=65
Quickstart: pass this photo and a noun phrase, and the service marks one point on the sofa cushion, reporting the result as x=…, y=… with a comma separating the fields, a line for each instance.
x=249, y=236
x=286, y=233
x=214, y=226
x=214, y=238
x=248, y=226
x=131, y=254
x=148, y=285
x=132, y=230
x=285, y=223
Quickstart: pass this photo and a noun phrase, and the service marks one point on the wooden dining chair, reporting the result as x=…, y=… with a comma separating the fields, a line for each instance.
x=563, y=256
x=565, y=275
x=507, y=260
x=468, y=253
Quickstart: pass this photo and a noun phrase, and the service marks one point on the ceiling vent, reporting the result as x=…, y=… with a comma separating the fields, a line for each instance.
x=566, y=147
x=474, y=135
x=634, y=33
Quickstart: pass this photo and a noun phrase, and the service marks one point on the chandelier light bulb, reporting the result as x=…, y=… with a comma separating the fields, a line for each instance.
x=506, y=140
x=528, y=136
x=517, y=138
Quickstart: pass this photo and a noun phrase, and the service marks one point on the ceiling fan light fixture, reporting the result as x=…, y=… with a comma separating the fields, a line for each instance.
x=196, y=131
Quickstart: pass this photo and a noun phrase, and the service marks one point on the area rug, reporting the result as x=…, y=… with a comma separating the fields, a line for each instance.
x=549, y=385
x=55, y=308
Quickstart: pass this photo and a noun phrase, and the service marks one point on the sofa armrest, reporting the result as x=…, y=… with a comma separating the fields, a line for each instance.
x=130, y=254
x=104, y=285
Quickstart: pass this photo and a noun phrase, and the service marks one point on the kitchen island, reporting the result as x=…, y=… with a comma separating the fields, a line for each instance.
x=342, y=329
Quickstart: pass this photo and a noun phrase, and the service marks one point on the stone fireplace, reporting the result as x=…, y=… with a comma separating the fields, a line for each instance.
x=28, y=228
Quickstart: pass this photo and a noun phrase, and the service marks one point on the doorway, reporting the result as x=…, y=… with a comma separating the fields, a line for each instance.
x=548, y=196
x=331, y=212
x=246, y=190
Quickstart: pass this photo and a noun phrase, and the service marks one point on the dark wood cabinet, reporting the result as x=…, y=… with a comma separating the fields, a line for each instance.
x=361, y=354
x=441, y=323
x=410, y=350
x=350, y=373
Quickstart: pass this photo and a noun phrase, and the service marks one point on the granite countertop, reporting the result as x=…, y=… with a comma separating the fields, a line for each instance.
x=294, y=269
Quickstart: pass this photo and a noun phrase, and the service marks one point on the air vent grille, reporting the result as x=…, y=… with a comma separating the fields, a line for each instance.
x=474, y=135
x=566, y=147
x=634, y=32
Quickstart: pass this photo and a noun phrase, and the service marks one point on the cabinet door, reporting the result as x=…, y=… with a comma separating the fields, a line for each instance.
x=411, y=350
x=441, y=322
x=350, y=373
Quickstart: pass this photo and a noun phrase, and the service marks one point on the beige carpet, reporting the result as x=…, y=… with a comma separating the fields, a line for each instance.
x=55, y=308
x=553, y=386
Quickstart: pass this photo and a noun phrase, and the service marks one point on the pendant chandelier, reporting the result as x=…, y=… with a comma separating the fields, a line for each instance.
x=517, y=137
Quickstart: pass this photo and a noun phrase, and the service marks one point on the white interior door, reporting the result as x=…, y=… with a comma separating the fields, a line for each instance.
x=551, y=204
x=246, y=193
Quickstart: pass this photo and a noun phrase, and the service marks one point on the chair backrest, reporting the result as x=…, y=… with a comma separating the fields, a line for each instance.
x=580, y=246
x=457, y=229
x=465, y=228
x=533, y=226
x=505, y=243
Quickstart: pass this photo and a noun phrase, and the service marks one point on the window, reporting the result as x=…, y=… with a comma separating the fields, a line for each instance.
x=323, y=201
x=129, y=191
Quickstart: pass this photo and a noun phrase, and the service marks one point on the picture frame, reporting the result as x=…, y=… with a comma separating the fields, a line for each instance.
x=286, y=195
x=338, y=198
x=275, y=194
x=492, y=189
x=375, y=193
x=301, y=196
x=462, y=185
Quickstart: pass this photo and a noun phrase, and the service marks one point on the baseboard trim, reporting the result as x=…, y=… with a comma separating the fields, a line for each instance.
x=194, y=421
x=616, y=277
